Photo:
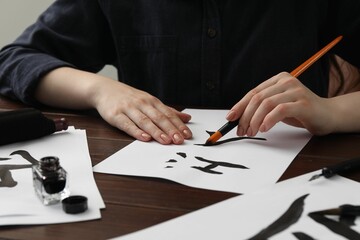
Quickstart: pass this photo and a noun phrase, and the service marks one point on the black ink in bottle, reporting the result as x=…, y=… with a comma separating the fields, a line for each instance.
x=50, y=181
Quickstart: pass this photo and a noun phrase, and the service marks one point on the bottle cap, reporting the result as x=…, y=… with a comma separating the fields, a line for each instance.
x=60, y=124
x=75, y=204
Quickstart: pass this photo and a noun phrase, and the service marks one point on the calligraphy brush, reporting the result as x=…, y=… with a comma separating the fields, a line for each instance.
x=344, y=166
x=295, y=73
x=343, y=210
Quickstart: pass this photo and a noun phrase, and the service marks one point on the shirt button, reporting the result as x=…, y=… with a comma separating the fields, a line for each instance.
x=210, y=85
x=211, y=32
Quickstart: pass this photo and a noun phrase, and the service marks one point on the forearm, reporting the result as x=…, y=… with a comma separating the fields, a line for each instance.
x=131, y=110
x=69, y=88
x=346, y=112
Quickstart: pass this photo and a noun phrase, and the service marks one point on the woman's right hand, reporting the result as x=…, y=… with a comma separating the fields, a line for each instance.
x=133, y=111
x=140, y=114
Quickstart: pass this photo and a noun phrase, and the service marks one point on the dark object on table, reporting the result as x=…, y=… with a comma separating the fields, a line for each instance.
x=345, y=166
x=27, y=124
x=75, y=204
x=50, y=180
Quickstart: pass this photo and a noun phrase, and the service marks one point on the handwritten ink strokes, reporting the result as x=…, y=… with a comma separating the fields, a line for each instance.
x=228, y=140
x=209, y=168
x=290, y=217
x=302, y=236
x=214, y=164
x=293, y=214
x=6, y=177
x=340, y=227
x=181, y=154
x=26, y=155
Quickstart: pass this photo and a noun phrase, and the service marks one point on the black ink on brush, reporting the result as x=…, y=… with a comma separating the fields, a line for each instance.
x=231, y=140
x=215, y=136
x=207, y=144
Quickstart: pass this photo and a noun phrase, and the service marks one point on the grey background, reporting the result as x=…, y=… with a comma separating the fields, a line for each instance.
x=16, y=15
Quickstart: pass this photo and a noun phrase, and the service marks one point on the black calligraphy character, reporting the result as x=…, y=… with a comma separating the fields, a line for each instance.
x=181, y=154
x=228, y=140
x=6, y=177
x=26, y=155
x=290, y=217
x=5, y=170
x=302, y=236
x=341, y=227
x=214, y=164
x=172, y=161
x=210, y=167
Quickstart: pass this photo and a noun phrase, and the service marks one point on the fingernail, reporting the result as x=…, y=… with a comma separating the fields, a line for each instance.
x=177, y=138
x=165, y=138
x=240, y=131
x=230, y=115
x=262, y=128
x=146, y=136
x=249, y=132
x=187, y=133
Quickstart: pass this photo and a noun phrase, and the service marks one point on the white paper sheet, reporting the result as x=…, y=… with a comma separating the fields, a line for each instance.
x=20, y=205
x=244, y=216
x=265, y=160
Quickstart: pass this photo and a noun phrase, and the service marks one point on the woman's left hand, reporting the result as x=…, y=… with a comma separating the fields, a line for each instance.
x=282, y=98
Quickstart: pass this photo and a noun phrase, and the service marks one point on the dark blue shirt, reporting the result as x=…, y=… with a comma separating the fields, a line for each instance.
x=186, y=52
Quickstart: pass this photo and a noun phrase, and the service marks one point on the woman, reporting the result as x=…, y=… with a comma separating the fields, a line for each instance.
x=209, y=53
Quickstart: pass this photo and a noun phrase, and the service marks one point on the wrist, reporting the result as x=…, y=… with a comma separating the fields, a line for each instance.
x=99, y=89
x=344, y=116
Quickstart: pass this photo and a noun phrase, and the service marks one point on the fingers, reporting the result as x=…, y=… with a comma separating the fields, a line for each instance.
x=164, y=125
x=139, y=114
x=237, y=110
x=281, y=112
x=153, y=120
x=246, y=107
x=183, y=116
x=124, y=123
x=279, y=98
x=272, y=100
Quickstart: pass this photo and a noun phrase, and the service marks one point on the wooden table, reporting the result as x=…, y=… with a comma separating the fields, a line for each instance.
x=134, y=203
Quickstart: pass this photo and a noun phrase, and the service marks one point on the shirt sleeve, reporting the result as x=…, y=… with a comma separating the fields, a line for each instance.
x=69, y=33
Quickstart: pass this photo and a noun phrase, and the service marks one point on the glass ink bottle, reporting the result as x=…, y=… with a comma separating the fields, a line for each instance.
x=50, y=180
